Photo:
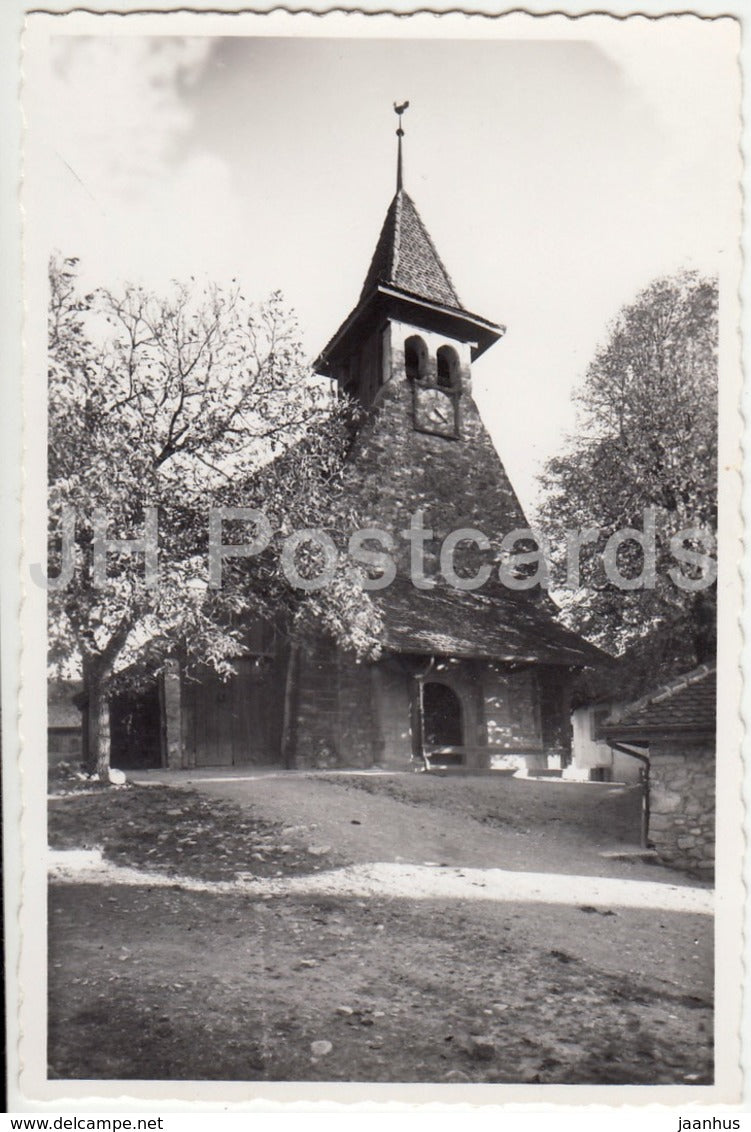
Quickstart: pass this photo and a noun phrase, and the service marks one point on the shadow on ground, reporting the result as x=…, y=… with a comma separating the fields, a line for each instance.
x=152, y=982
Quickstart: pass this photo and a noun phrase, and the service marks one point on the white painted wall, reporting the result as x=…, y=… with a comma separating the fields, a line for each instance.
x=589, y=753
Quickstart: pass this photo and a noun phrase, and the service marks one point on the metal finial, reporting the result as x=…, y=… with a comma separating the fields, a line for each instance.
x=399, y=109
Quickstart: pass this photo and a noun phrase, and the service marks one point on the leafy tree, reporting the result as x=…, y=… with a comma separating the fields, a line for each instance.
x=647, y=439
x=179, y=403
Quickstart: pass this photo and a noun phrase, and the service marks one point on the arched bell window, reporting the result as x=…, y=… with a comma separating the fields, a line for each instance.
x=436, y=399
x=447, y=368
x=415, y=358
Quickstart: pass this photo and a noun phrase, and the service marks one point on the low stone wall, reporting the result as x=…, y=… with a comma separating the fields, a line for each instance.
x=682, y=805
x=64, y=744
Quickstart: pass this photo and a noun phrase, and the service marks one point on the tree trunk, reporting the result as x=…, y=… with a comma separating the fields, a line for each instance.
x=98, y=746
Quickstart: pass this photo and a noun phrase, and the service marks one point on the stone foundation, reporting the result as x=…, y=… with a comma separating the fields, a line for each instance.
x=682, y=805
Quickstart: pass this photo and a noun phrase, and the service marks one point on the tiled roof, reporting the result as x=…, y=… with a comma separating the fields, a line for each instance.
x=446, y=621
x=686, y=703
x=405, y=257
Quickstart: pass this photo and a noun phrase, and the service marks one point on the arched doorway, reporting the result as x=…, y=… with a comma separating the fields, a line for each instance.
x=442, y=716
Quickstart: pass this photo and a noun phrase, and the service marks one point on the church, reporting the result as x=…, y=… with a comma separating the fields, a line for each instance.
x=472, y=678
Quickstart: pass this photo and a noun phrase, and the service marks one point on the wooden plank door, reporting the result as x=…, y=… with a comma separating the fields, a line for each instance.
x=233, y=721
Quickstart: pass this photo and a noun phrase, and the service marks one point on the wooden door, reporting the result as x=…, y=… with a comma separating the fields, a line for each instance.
x=233, y=721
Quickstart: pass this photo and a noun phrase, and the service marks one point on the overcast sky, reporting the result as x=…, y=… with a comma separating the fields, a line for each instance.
x=556, y=176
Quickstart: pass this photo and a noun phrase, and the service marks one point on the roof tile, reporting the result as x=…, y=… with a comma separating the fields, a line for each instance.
x=689, y=701
x=405, y=257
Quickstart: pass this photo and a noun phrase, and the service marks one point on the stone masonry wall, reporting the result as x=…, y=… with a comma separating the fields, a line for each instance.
x=334, y=722
x=511, y=710
x=395, y=470
x=393, y=704
x=359, y=739
x=682, y=805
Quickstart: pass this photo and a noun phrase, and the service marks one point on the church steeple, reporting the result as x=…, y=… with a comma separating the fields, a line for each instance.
x=407, y=287
x=405, y=257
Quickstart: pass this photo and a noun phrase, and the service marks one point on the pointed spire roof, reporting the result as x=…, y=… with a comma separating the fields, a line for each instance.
x=406, y=258
x=407, y=280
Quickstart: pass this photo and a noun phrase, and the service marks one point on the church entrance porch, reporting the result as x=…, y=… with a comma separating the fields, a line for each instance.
x=440, y=731
x=404, y=711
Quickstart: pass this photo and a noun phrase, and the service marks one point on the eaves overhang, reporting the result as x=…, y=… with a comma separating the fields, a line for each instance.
x=391, y=302
x=643, y=734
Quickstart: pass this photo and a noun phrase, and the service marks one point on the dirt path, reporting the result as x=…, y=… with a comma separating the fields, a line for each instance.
x=486, y=823
x=524, y=828
x=438, y=939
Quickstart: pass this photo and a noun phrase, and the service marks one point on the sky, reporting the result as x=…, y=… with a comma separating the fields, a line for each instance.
x=558, y=176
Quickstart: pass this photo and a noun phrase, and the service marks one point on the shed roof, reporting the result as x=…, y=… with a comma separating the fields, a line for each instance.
x=686, y=704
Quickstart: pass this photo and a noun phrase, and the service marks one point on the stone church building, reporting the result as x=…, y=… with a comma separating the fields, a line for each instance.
x=466, y=677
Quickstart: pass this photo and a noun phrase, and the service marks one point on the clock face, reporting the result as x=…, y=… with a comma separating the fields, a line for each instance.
x=436, y=412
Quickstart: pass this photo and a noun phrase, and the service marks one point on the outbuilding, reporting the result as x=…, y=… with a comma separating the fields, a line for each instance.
x=674, y=728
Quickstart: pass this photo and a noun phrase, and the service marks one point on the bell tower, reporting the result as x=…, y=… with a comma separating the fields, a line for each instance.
x=409, y=324
x=406, y=353
x=468, y=667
